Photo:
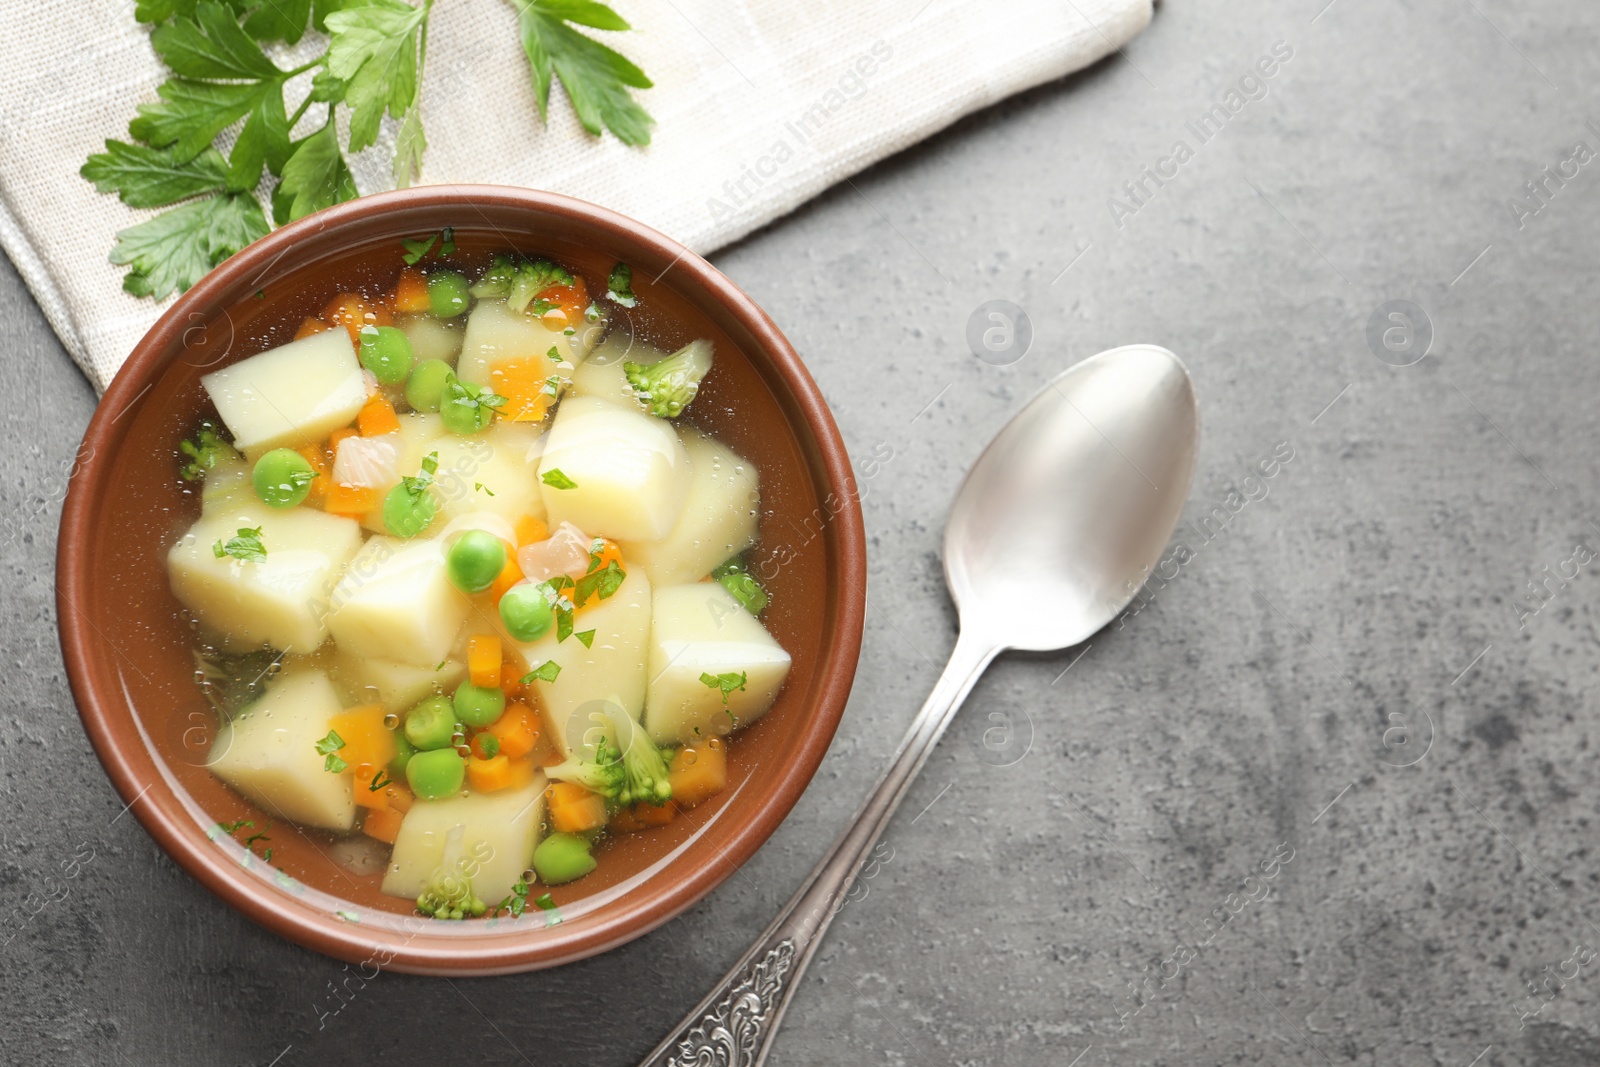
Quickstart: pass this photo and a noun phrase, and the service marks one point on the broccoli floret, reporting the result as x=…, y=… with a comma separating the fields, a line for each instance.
x=603, y=774
x=496, y=281
x=533, y=279
x=644, y=772
x=670, y=385
x=448, y=895
x=207, y=448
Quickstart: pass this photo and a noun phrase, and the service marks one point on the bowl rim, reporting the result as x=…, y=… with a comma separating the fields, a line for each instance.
x=143, y=782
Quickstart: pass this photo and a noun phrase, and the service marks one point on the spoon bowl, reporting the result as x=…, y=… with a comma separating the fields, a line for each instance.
x=1062, y=517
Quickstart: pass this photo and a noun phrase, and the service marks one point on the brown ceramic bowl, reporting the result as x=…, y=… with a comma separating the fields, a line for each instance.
x=128, y=648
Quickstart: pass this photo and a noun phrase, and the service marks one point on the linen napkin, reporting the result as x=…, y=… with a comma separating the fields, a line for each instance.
x=759, y=105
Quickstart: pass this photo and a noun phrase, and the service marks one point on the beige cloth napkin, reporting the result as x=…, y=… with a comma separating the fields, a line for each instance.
x=760, y=105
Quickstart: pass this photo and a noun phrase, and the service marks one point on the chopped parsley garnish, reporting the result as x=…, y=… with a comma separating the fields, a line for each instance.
x=516, y=902
x=545, y=903
x=553, y=355
x=728, y=683
x=602, y=583
x=416, y=248
x=480, y=487
x=380, y=780
x=329, y=746
x=587, y=637
x=544, y=672
x=245, y=546
x=619, y=286
x=556, y=480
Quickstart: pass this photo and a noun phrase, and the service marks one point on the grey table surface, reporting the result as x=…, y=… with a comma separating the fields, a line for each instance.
x=1328, y=796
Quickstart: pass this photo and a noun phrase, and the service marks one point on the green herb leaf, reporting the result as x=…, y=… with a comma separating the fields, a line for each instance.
x=596, y=79
x=373, y=49
x=480, y=487
x=602, y=582
x=556, y=480
x=545, y=672
x=154, y=177
x=409, y=145
x=553, y=355
x=264, y=141
x=619, y=286
x=728, y=683
x=211, y=44
x=176, y=248
x=545, y=903
x=279, y=20
x=416, y=248
x=380, y=780
x=316, y=175
x=587, y=637
x=447, y=242
x=192, y=113
x=246, y=546
x=328, y=746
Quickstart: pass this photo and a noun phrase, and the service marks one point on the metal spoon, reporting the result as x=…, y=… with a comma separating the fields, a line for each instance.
x=1051, y=534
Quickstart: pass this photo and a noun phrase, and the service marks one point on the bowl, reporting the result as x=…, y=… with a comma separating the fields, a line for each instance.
x=127, y=648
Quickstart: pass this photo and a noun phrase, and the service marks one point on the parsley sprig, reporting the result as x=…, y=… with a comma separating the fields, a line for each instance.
x=728, y=682
x=245, y=546
x=329, y=746
x=222, y=81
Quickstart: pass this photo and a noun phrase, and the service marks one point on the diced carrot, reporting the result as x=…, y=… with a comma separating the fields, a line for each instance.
x=350, y=500
x=353, y=311
x=366, y=796
x=511, y=680
x=339, y=435
x=483, y=660
x=510, y=575
x=517, y=729
x=377, y=417
x=605, y=552
x=310, y=327
x=530, y=529
x=698, y=772
x=317, y=456
x=570, y=302
x=488, y=775
x=400, y=798
x=366, y=739
x=638, y=817
x=411, y=291
x=525, y=383
x=382, y=825
x=573, y=809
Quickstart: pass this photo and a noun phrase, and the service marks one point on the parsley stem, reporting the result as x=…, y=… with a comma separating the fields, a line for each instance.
x=305, y=105
x=302, y=69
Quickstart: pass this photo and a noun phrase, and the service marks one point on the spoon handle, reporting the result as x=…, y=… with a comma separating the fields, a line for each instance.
x=735, y=1024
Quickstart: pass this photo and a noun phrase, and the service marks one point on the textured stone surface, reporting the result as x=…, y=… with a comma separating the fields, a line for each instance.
x=1075, y=830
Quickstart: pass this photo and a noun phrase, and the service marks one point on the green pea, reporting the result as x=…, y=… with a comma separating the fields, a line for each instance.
x=526, y=611
x=460, y=409
x=436, y=773
x=403, y=751
x=425, y=387
x=447, y=294
x=477, y=706
x=562, y=858
x=431, y=724
x=475, y=561
x=386, y=352
x=407, y=513
x=282, y=478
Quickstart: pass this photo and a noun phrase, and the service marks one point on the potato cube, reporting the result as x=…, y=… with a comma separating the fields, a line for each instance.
x=396, y=602
x=489, y=471
x=495, y=334
x=432, y=338
x=626, y=472
x=268, y=752
x=611, y=670
x=397, y=686
x=488, y=838
x=700, y=630
x=295, y=394
x=280, y=601
x=718, y=520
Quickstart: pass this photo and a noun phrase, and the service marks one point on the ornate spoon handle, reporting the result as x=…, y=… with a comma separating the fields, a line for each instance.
x=734, y=1025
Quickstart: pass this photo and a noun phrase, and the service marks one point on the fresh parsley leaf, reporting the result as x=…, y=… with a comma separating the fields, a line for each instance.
x=553, y=355
x=596, y=78
x=728, y=683
x=374, y=50
x=329, y=747
x=480, y=487
x=556, y=480
x=409, y=145
x=416, y=248
x=177, y=247
x=279, y=20
x=316, y=175
x=602, y=583
x=563, y=620
x=211, y=44
x=236, y=826
x=192, y=113
x=619, y=286
x=545, y=903
x=380, y=780
x=587, y=637
x=516, y=902
x=264, y=141
x=246, y=546
x=545, y=672
x=154, y=177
